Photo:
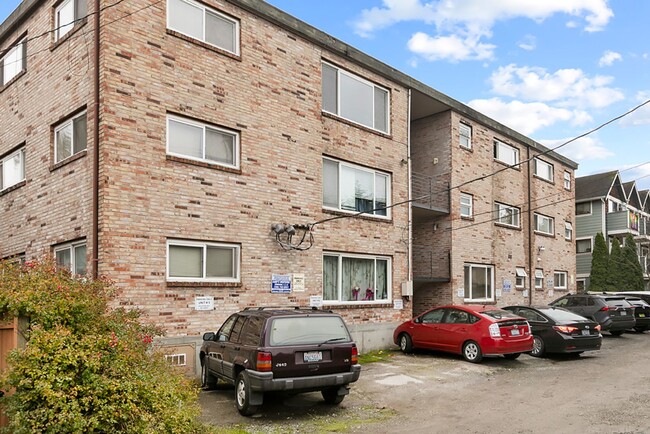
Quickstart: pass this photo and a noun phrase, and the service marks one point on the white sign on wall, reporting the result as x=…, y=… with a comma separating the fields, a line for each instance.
x=298, y=282
x=316, y=301
x=204, y=303
x=398, y=303
x=461, y=293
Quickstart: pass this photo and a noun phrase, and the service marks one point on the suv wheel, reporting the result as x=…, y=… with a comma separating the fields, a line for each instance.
x=243, y=395
x=472, y=352
x=405, y=343
x=208, y=381
x=331, y=396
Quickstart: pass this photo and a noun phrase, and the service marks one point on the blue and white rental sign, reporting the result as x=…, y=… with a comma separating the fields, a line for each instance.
x=281, y=283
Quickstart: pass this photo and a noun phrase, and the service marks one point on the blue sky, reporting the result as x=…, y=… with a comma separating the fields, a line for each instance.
x=550, y=69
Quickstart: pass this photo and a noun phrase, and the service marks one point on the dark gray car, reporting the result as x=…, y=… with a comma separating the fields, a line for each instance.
x=612, y=312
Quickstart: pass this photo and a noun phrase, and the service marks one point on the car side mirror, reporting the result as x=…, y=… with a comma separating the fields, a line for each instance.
x=209, y=336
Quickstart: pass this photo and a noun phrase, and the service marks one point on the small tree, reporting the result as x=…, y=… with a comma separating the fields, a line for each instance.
x=615, y=274
x=86, y=367
x=631, y=267
x=599, y=278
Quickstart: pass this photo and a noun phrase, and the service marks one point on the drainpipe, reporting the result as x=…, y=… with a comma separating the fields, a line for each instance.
x=531, y=276
x=95, y=175
x=410, y=193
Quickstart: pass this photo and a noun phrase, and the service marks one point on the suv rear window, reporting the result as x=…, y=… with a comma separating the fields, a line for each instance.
x=617, y=302
x=500, y=314
x=301, y=330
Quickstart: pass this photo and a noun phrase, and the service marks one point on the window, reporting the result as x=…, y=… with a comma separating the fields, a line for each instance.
x=65, y=16
x=355, y=99
x=583, y=246
x=506, y=153
x=567, y=180
x=356, y=278
x=191, y=261
x=202, y=142
x=613, y=206
x=466, y=205
x=506, y=214
x=543, y=169
x=568, y=231
x=544, y=224
x=479, y=282
x=353, y=188
x=465, y=135
x=12, y=169
x=521, y=276
x=205, y=24
x=583, y=208
x=13, y=62
x=559, y=280
x=539, y=278
x=70, y=138
x=72, y=256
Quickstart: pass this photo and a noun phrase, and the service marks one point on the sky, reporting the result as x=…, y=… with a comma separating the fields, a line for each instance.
x=551, y=70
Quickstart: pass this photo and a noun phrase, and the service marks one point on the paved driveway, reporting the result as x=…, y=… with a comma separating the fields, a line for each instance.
x=602, y=392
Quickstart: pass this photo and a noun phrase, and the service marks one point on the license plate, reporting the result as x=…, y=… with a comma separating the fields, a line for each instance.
x=642, y=315
x=623, y=313
x=515, y=332
x=313, y=356
x=586, y=332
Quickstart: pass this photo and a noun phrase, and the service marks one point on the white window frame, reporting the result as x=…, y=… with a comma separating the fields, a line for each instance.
x=562, y=275
x=591, y=245
x=539, y=278
x=236, y=248
x=465, y=135
x=69, y=123
x=72, y=247
x=615, y=206
x=538, y=217
x=205, y=11
x=78, y=12
x=468, y=291
x=568, y=231
x=567, y=180
x=375, y=87
x=176, y=359
x=539, y=163
x=520, y=277
x=19, y=152
x=203, y=126
x=14, y=55
x=469, y=199
x=374, y=175
x=591, y=209
x=499, y=207
x=500, y=148
x=339, y=283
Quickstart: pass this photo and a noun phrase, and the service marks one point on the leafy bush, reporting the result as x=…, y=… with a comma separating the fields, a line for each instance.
x=86, y=367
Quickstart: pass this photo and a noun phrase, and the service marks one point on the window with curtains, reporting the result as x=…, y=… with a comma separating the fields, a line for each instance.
x=72, y=256
x=348, y=187
x=191, y=261
x=479, y=282
x=199, y=141
x=70, y=137
x=356, y=278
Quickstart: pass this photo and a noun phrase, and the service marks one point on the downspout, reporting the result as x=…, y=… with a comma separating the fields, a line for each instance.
x=531, y=276
x=95, y=176
x=410, y=192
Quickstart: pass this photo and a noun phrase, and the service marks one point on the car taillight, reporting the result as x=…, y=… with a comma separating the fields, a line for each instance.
x=355, y=356
x=264, y=361
x=598, y=327
x=604, y=308
x=566, y=329
x=494, y=330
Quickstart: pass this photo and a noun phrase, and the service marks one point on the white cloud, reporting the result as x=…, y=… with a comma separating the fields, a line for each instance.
x=567, y=87
x=642, y=115
x=527, y=118
x=584, y=148
x=609, y=57
x=453, y=47
x=528, y=43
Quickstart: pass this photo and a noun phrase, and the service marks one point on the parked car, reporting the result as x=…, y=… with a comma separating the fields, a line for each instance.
x=472, y=331
x=612, y=312
x=269, y=349
x=557, y=330
x=641, y=313
x=644, y=295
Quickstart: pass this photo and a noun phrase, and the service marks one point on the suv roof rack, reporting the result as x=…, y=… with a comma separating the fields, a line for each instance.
x=312, y=308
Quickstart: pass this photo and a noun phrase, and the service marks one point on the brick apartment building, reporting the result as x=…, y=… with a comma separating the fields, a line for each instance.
x=168, y=144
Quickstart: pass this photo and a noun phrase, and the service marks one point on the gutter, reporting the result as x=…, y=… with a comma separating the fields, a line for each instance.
x=531, y=277
x=410, y=192
x=95, y=175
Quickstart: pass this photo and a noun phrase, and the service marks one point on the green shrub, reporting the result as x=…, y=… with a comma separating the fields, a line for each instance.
x=86, y=367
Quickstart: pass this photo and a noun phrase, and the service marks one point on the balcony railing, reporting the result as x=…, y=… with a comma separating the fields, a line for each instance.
x=430, y=264
x=431, y=192
x=623, y=221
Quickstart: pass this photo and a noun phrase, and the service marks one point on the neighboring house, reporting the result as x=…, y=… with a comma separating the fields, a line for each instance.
x=169, y=152
x=605, y=204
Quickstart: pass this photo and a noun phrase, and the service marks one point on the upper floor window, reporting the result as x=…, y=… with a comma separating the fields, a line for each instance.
x=521, y=276
x=568, y=231
x=355, y=99
x=354, y=188
x=12, y=169
x=465, y=135
x=506, y=153
x=70, y=137
x=583, y=208
x=192, y=261
x=543, y=169
x=567, y=180
x=479, y=282
x=559, y=280
x=614, y=206
x=205, y=24
x=466, y=205
x=202, y=142
x=352, y=278
x=65, y=16
x=13, y=62
x=544, y=224
x=72, y=256
x=583, y=246
x=506, y=214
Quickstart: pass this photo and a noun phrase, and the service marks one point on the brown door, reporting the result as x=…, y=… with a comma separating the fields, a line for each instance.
x=8, y=341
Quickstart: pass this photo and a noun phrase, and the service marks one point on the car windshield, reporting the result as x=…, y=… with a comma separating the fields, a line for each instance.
x=500, y=314
x=561, y=315
x=302, y=330
x=617, y=302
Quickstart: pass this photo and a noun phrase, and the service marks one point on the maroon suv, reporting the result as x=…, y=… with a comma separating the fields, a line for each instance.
x=269, y=349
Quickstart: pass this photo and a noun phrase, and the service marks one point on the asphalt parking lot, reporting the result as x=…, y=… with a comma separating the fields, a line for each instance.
x=607, y=391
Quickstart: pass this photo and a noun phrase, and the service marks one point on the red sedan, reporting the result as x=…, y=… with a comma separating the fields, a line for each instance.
x=473, y=331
